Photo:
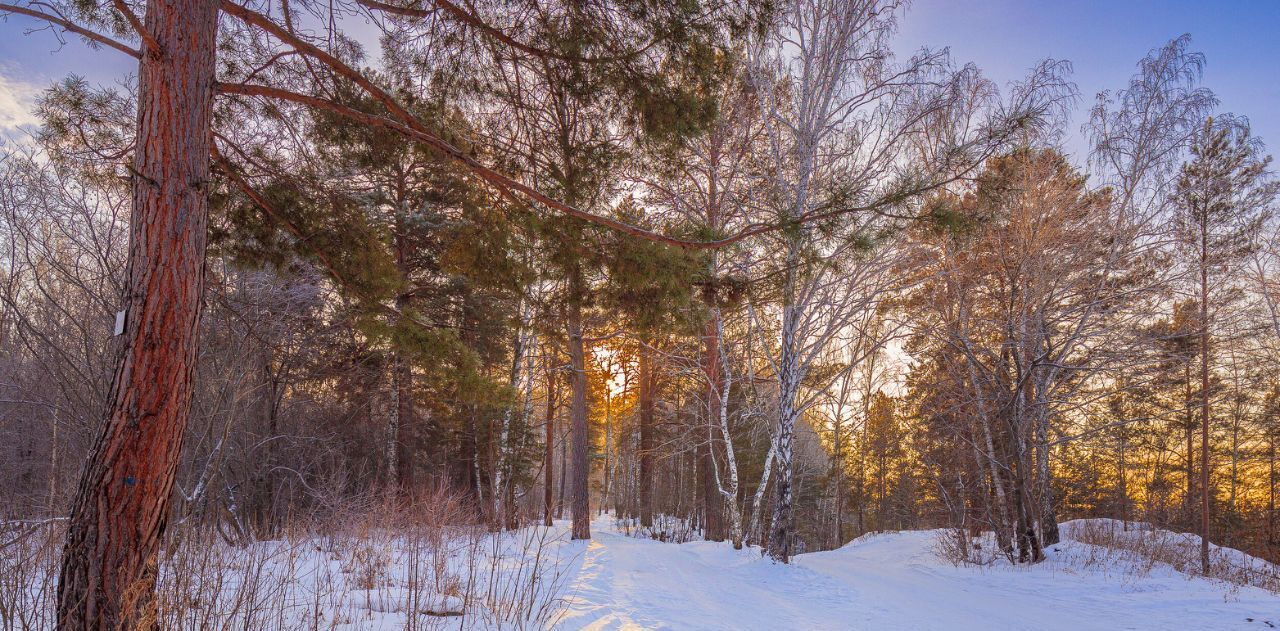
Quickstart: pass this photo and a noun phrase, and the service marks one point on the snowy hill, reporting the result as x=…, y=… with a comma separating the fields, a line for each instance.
x=888, y=581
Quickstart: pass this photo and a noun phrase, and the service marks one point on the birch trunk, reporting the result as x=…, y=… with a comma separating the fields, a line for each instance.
x=500, y=465
x=711, y=489
x=1004, y=528
x=729, y=494
x=753, y=530
x=788, y=389
x=1044, y=475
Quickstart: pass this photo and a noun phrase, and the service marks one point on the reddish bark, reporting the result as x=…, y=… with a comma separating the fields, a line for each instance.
x=646, y=436
x=549, y=465
x=122, y=503
x=580, y=500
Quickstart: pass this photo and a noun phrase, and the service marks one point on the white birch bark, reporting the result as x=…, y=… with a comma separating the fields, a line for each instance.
x=730, y=493
x=518, y=376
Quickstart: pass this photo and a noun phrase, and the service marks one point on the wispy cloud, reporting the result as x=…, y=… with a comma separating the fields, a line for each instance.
x=17, y=103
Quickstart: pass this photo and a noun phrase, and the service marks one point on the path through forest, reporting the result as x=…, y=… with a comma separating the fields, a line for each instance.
x=886, y=581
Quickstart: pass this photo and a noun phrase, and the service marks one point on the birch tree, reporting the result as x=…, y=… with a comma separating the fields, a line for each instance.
x=840, y=118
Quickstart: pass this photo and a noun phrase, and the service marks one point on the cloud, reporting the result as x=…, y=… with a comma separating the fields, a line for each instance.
x=17, y=103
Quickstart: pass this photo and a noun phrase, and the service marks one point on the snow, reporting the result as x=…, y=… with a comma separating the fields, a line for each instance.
x=618, y=581
x=887, y=581
x=1182, y=550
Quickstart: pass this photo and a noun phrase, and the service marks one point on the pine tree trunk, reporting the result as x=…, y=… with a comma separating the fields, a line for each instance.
x=712, y=512
x=646, y=435
x=564, y=465
x=1271, y=491
x=392, y=455
x=271, y=394
x=1190, y=424
x=401, y=375
x=1204, y=397
x=608, y=452
x=1124, y=490
x=548, y=467
x=122, y=503
x=837, y=458
x=526, y=433
x=410, y=424
x=578, y=414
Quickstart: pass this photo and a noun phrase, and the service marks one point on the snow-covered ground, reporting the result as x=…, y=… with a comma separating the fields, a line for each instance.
x=537, y=578
x=887, y=581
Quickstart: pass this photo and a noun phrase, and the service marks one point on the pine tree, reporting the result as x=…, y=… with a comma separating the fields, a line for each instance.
x=1222, y=195
x=121, y=507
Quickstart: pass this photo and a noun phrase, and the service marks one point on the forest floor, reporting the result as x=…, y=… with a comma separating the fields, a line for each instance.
x=368, y=578
x=889, y=581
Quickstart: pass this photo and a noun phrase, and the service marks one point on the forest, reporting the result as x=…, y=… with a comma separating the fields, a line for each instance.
x=732, y=272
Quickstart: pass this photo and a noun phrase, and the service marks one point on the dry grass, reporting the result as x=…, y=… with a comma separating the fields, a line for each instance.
x=428, y=566
x=29, y=559
x=955, y=546
x=1139, y=549
x=665, y=528
x=1129, y=552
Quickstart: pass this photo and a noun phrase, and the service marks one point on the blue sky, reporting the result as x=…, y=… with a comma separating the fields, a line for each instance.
x=1103, y=40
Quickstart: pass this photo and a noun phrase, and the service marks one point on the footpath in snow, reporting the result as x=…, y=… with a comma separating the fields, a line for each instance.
x=536, y=578
x=885, y=581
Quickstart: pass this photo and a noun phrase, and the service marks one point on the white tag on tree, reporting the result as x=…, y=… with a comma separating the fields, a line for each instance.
x=119, y=328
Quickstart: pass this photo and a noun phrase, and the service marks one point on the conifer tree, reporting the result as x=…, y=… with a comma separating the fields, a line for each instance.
x=1223, y=194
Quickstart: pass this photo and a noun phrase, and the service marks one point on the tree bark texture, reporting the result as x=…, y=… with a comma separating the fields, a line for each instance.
x=646, y=435
x=580, y=500
x=121, y=506
x=715, y=525
x=548, y=467
x=788, y=390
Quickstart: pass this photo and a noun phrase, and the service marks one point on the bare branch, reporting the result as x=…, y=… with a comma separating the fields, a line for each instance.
x=74, y=28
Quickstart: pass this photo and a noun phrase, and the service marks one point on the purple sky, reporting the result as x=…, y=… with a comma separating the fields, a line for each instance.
x=1103, y=39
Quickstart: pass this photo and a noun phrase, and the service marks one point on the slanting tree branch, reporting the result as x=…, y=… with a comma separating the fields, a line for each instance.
x=504, y=184
x=470, y=19
x=73, y=27
x=508, y=186
x=462, y=15
x=254, y=18
x=412, y=127
x=150, y=45
x=261, y=202
x=335, y=274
